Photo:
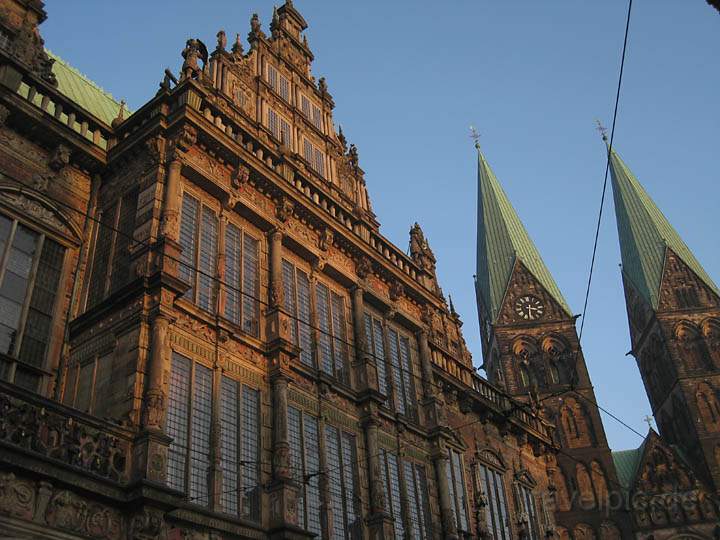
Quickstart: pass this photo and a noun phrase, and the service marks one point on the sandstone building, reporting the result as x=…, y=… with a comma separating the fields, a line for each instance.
x=205, y=335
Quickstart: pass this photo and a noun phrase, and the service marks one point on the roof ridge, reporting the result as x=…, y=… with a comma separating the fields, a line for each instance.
x=84, y=77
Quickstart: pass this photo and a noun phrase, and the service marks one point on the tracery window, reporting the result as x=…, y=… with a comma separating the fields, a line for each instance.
x=497, y=515
x=456, y=483
x=328, y=316
x=189, y=423
x=394, y=364
x=30, y=269
x=199, y=236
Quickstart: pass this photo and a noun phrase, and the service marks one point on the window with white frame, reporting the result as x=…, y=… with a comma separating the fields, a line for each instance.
x=30, y=269
x=311, y=111
x=456, y=483
x=278, y=82
x=394, y=364
x=279, y=127
x=328, y=316
x=189, y=422
x=497, y=516
x=314, y=156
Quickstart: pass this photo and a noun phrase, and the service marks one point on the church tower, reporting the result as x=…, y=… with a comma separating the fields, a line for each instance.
x=673, y=309
x=531, y=350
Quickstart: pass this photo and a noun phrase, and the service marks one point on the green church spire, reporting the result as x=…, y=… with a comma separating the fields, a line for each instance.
x=502, y=241
x=645, y=235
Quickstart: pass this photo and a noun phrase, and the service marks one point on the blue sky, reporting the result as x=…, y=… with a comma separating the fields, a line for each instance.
x=408, y=79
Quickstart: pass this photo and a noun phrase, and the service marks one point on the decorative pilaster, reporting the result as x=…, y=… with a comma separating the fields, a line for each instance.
x=171, y=212
x=380, y=525
x=151, y=446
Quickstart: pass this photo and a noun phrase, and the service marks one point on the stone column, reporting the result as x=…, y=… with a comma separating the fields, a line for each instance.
x=215, y=473
x=151, y=445
x=446, y=513
x=281, y=447
x=276, y=283
x=426, y=363
x=171, y=210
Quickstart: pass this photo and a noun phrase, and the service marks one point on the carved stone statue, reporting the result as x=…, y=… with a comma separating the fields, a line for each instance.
x=221, y=40
x=194, y=50
x=255, y=26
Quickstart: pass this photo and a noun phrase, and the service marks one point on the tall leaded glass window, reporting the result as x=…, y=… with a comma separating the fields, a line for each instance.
x=279, y=127
x=342, y=472
x=314, y=156
x=496, y=509
x=305, y=449
x=297, y=304
x=198, y=240
x=418, y=503
x=391, y=483
x=405, y=401
x=242, y=278
x=527, y=501
x=189, y=422
x=332, y=349
x=456, y=482
x=240, y=449
x=278, y=82
x=376, y=344
x=30, y=269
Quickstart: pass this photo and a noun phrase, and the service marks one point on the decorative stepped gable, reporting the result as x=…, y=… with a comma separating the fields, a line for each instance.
x=646, y=236
x=502, y=242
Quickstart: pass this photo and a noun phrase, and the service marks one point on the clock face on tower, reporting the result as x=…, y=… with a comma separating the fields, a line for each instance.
x=529, y=308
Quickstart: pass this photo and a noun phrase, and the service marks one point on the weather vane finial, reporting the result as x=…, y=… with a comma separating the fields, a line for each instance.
x=602, y=129
x=649, y=421
x=475, y=136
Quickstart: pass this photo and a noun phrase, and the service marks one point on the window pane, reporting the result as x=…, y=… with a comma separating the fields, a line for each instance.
x=228, y=444
x=208, y=258
x=296, y=459
x=232, y=273
x=26, y=379
x=412, y=495
x=303, y=290
x=380, y=355
x=251, y=453
x=123, y=243
x=408, y=378
x=188, y=242
x=177, y=421
x=38, y=326
x=322, y=306
x=460, y=490
x=103, y=245
x=5, y=229
x=350, y=468
x=394, y=483
x=423, y=502
x=333, y=459
x=340, y=342
x=312, y=467
x=250, y=286
x=396, y=374
x=200, y=435
x=289, y=292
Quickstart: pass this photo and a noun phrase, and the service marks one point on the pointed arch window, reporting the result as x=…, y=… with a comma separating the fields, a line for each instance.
x=524, y=376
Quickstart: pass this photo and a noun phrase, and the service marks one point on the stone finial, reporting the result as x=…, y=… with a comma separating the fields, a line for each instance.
x=221, y=40
x=255, y=27
x=420, y=250
x=275, y=23
x=237, y=48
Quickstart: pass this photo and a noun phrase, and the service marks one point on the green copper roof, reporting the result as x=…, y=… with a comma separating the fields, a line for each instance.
x=627, y=463
x=645, y=233
x=501, y=240
x=85, y=93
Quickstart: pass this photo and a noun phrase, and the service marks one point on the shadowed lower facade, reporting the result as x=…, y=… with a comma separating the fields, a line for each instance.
x=205, y=335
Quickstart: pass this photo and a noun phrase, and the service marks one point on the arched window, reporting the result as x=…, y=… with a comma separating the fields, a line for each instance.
x=708, y=406
x=570, y=423
x=691, y=347
x=524, y=376
x=599, y=483
x=584, y=484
